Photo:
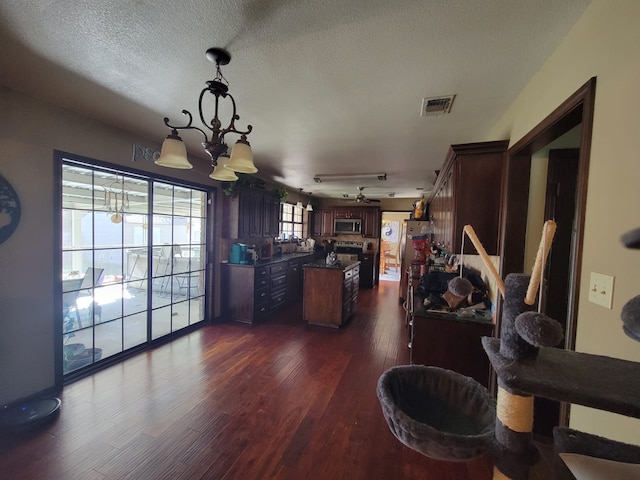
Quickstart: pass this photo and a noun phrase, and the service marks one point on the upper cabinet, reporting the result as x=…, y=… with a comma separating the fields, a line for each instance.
x=251, y=213
x=322, y=220
x=322, y=223
x=371, y=222
x=468, y=191
x=347, y=212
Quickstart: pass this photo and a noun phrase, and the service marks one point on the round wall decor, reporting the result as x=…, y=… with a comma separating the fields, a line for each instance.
x=9, y=209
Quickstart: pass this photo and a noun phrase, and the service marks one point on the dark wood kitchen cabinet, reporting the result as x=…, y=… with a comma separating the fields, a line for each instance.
x=371, y=222
x=347, y=212
x=442, y=340
x=322, y=224
x=468, y=191
x=294, y=280
x=250, y=293
x=251, y=213
x=369, y=267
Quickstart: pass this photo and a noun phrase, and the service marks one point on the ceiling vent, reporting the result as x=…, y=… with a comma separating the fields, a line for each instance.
x=436, y=105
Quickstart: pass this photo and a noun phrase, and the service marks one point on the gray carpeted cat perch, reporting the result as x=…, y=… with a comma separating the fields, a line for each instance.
x=526, y=366
x=437, y=412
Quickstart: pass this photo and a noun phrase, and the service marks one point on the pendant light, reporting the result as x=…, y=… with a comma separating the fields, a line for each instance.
x=174, y=152
x=299, y=204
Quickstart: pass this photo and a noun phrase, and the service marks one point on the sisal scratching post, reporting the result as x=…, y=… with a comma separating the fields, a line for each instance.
x=514, y=451
x=548, y=232
x=468, y=229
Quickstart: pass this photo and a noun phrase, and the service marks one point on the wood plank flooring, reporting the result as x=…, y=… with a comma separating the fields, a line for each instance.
x=281, y=400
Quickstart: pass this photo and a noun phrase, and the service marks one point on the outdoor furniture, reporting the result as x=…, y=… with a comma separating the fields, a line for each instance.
x=74, y=288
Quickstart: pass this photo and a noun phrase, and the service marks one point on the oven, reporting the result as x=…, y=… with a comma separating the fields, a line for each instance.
x=348, y=251
x=347, y=257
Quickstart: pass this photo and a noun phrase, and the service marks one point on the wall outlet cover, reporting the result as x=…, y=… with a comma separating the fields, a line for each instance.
x=601, y=290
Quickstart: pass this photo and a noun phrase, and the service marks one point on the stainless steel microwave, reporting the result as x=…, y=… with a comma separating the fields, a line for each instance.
x=347, y=226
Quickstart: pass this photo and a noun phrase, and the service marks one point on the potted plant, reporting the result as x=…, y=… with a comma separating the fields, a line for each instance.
x=282, y=194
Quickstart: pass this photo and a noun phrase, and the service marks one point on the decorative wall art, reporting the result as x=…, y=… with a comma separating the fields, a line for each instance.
x=9, y=209
x=390, y=231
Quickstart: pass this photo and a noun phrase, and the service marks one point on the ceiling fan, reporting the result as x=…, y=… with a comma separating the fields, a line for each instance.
x=359, y=198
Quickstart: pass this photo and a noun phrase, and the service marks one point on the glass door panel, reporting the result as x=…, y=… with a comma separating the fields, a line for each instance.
x=127, y=280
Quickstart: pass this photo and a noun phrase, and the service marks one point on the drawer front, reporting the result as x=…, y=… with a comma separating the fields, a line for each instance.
x=261, y=311
x=347, y=290
x=278, y=282
x=262, y=282
x=348, y=274
x=277, y=299
x=356, y=270
x=279, y=268
x=346, y=310
x=295, y=265
x=261, y=272
x=356, y=281
x=261, y=297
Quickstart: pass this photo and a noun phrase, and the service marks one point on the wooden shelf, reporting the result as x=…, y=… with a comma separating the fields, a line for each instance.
x=595, y=381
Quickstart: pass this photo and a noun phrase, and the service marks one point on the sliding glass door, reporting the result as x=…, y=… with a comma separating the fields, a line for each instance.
x=133, y=261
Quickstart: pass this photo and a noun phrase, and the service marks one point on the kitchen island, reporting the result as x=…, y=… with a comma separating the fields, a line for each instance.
x=330, y=292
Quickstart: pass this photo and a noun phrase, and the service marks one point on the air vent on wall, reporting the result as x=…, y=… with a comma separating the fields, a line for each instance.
x=436, y=105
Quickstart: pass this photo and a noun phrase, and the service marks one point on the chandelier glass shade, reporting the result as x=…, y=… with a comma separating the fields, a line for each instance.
x=241, y=160
x=221, y=172
x=174, y=152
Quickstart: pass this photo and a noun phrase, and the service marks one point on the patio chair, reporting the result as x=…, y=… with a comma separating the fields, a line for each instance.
x=92, y=277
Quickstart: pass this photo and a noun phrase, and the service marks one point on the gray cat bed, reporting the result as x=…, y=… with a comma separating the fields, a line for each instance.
x=437, y=412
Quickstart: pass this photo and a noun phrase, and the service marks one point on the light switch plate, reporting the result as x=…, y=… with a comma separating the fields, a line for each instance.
x=601, y=289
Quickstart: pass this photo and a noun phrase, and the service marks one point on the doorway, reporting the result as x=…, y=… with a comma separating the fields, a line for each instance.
x=132, y=261
x=557, y=201
x=576, y=111
x=391, y=236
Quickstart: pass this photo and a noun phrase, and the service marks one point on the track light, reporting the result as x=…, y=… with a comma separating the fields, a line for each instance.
x=332, y=177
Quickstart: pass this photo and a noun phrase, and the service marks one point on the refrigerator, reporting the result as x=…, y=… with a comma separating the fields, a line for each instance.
x=409, y=230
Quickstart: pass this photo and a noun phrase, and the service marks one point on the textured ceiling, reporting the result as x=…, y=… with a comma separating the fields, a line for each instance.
x=329, y=86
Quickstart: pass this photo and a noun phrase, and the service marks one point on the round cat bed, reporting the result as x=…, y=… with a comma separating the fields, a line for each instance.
x=437, y=412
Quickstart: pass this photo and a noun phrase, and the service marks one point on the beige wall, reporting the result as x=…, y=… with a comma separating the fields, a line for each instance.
x=603, y=43
x=31, y=130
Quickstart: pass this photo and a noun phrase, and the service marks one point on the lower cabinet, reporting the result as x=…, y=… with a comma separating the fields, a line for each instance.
x=330, y=294
x=251, y=293
x=369, y=266
x=442, y=340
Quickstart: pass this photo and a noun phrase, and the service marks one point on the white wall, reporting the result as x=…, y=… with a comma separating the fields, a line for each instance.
x=603, y=43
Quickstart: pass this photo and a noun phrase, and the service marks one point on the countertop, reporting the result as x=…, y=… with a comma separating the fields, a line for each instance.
x=285, y=257
x=420, y=311
x=344, y=265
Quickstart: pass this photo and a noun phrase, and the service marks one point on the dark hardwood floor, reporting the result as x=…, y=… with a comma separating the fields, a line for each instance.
x=281, y=400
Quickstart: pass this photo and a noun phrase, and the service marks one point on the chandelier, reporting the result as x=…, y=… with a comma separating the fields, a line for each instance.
x=174, y=153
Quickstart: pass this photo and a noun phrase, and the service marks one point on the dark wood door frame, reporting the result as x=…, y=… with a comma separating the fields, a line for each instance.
x=576, y=110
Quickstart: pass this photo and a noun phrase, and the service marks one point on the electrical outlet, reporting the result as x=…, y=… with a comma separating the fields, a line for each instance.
x=601, y=290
